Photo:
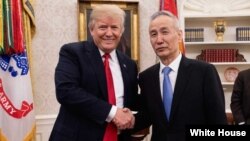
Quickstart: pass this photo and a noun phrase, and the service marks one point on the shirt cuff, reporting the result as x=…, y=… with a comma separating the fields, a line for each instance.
x=241, y=123
x=111, y=114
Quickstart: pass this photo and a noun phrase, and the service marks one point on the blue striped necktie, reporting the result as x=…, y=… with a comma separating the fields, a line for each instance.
x=167, y=91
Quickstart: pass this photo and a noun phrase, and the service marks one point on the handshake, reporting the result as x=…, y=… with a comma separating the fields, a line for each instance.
x=124, y=119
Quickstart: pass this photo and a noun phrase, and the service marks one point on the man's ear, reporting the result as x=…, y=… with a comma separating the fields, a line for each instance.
x=180, y=35
x=91, y=31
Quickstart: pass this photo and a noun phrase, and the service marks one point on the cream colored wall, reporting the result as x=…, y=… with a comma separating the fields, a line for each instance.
x=56, y=22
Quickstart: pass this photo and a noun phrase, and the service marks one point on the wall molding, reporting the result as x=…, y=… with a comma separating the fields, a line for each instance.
x=44, y=125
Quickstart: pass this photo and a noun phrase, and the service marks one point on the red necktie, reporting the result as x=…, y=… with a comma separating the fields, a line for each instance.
x=111, y=130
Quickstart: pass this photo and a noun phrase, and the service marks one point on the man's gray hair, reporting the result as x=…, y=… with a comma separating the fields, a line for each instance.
x=168, y=14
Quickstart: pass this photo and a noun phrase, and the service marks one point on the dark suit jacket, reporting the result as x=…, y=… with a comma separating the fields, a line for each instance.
x=240, y=100
x=81, y=90
x=198, y=99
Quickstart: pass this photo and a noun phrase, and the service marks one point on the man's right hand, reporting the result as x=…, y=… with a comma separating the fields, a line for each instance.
x=124, y=119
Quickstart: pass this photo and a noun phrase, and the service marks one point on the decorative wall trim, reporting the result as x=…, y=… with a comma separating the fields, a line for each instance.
x=221, y=7
x=44, y=124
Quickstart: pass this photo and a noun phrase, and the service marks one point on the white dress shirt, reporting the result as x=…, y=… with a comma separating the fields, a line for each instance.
x=117, y=81
x=172, y=75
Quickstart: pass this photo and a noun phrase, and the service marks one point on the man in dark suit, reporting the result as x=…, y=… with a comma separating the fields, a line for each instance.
x=196, y=90
x=240, y=104
x=81, y=83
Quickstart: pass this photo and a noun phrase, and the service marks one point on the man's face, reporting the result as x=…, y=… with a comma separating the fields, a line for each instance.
x=106, y=33
x=165, y=37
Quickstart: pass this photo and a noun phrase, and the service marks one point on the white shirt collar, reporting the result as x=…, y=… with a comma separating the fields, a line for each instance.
x=173, y=65
x=112, y=55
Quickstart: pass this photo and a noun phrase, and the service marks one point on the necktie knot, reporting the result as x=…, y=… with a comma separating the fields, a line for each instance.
x=166, y=70
x=106, y=56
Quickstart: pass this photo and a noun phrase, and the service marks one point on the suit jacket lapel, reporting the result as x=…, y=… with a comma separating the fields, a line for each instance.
x=181, y=83
x=125, y=75
x=157, y=95
x=98, y=66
